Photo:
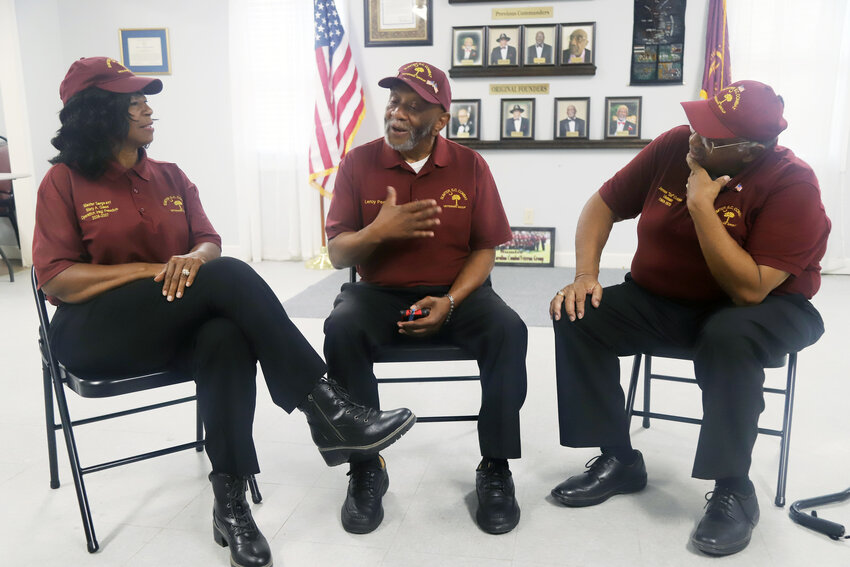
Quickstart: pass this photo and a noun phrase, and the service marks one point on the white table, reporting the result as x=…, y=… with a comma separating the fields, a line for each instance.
x=11, y=176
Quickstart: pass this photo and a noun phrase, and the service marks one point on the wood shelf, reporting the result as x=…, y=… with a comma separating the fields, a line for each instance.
x=560, y=144
x=526, y=71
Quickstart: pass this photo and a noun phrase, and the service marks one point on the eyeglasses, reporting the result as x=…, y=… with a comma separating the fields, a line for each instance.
x=710, y=146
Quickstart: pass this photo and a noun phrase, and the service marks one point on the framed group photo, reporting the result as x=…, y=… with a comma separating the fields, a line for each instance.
x=464, y=123
x=468, y=47
x=622, y=117
x=390, y=23
x=572, y=117
x=578, y=43
x=530, y=246
x=541, y=44
x=517, y=118
x=503, y=43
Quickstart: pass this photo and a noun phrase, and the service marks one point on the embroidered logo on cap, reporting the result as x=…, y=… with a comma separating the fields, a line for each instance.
x=420, y=68
x=729, y=95
x=110, y=61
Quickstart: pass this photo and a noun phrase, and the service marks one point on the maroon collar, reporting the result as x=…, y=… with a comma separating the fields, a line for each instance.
x=142, y=168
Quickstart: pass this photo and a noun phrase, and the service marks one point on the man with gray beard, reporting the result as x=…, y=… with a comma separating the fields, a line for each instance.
x=420, y=217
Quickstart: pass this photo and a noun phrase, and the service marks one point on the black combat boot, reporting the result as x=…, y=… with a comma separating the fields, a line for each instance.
x=342, y=428
x=233, y=525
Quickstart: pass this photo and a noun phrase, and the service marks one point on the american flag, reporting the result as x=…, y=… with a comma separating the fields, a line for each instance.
x=717, y=73
x=339, y=98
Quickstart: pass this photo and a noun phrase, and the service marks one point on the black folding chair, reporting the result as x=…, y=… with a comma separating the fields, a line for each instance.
x=784, y=433
x=55, y=375
x=407, y=350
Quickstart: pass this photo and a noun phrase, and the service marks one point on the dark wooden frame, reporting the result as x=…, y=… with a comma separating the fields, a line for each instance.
x=475, y=119
x=394, y=38
x=519, y=42
x=482, y=46
x=555, y=42
x=566, y=45
x=617, y=100
x=555, y=132
x=504, y=113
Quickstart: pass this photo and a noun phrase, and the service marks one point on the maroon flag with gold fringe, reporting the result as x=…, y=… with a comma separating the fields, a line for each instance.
x=717, y=73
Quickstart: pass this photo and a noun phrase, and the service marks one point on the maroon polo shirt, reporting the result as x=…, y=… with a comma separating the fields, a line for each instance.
x=147, y=213
x=777, y=216
x=459, y=179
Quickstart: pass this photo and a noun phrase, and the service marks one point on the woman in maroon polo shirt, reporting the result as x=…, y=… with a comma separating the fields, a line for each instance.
x=124, y=248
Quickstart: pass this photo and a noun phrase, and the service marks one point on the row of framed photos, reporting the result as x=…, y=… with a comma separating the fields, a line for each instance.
x=572, y=118
x=524, y=46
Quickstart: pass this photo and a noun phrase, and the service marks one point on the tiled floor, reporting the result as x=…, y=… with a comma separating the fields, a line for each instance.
x=158, y=512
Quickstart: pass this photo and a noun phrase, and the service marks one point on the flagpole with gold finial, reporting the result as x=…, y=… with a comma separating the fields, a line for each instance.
x=321, y=261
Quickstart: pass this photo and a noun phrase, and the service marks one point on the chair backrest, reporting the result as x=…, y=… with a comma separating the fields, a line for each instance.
x=5, y=167
x=43, y=323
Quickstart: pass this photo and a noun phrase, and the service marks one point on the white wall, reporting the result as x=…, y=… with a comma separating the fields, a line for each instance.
x=554, y=183
x=193, y=109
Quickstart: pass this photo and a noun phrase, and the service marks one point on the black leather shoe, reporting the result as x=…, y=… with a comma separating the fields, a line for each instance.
x=498, y=510
x=605, y=476
x=362, y=510
x=728, y=522
x=342, y=428
x=233, y=525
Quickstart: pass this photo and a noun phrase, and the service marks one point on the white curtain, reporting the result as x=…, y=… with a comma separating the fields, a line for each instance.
x=273, y=68
x=802, y=49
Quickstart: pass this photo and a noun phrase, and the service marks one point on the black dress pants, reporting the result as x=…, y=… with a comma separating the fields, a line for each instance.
x=732, y=346
x=225, y=322
x=365, y=316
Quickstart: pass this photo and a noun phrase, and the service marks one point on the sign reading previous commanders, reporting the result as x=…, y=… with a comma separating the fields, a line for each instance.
x=522, y=89
x=508, y=13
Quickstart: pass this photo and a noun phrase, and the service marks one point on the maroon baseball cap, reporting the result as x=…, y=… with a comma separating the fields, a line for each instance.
x=107, y=74
x=428, y=81
x=746, y=109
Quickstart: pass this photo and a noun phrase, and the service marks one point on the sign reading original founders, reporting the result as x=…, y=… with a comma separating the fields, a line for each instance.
x=519, y=89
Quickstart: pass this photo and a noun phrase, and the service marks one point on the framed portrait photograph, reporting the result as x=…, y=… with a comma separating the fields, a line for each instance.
x=468, y=47
x=390, y=23
x=622, y=117
x=541, y=44
x=572, y=117
x=517, y=118
x=464, y=123
x=146, y=51
x=504, y=43
x=578, y=43
x=530, y=246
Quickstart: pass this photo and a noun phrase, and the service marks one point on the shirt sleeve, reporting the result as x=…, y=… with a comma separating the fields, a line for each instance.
x=490, y=225
x=625, y=193
x=57, y=240
x=344, y=211
x=200, y=228
x=791, y=229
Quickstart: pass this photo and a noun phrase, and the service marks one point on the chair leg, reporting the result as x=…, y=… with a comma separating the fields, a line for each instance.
x=647, y=381
x=630, y=399
x=76, y=472
x=785, y=440
x=50, y=422
x=199, y=427
x=256, y=497
x=8, y=265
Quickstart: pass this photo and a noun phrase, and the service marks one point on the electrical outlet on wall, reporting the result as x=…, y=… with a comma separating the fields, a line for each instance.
x=528, y=217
